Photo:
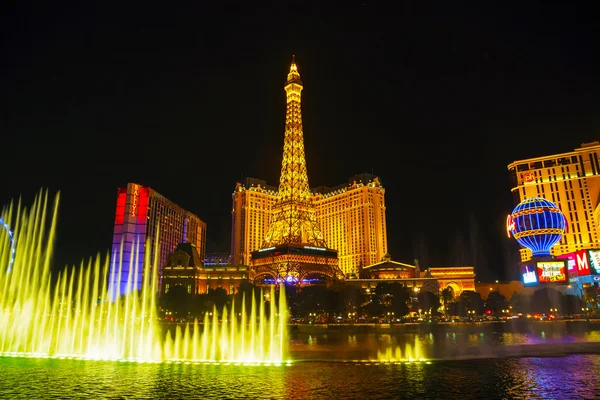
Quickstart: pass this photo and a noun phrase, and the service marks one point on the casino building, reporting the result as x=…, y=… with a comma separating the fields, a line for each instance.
x=185, y=268
x=570, y=180
x=458, y=278
x=351, y=216
x=141, y=214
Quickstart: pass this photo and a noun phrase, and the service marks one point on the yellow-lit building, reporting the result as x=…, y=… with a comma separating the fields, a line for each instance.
x=185, y=268
x=228, y=277
x=351, y=217
x=570, y=180
x=250, y=216
x=459, y=278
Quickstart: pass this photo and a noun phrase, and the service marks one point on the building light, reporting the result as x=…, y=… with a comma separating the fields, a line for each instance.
x=266, y=249
x=315, y=248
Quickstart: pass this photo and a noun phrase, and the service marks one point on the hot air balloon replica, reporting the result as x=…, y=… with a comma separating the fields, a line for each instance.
x=538, y=224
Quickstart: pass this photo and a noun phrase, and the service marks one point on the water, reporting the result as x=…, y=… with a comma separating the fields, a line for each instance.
x=454, y=344
x=572, y=377
x=56, y=339
x=75, y=317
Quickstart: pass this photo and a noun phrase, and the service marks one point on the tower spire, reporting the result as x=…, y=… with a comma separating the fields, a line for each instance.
x=294, y=218
x=294, y=75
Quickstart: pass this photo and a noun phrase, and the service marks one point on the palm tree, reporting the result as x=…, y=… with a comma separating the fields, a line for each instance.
x=447, y=296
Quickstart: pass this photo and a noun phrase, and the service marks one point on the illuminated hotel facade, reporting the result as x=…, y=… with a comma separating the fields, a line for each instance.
x=250, y=218
x=571, y=181
x=351, y=217
x=140, y=213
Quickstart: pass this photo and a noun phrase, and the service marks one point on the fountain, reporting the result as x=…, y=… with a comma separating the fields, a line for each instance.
x=73, y=317
x=397, y=355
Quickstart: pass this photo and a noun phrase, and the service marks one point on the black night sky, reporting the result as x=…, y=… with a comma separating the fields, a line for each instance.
x=436, y=99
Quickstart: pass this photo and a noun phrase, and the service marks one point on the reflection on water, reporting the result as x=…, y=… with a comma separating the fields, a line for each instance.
x=527, y=378
x=341, y=345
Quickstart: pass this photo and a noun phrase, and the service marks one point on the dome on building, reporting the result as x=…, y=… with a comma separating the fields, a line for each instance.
x=537, y=224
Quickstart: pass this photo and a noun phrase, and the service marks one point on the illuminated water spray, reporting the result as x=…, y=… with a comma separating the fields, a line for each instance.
x=7, y=253
x=73, y=317
x=397, y=354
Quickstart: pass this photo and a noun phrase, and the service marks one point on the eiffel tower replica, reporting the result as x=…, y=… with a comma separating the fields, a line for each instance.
x=294, y=249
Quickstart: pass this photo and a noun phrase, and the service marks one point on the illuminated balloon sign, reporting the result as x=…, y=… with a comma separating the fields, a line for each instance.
x=537, y=224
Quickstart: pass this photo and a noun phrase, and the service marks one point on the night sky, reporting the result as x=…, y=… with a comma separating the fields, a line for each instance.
x=437, y=100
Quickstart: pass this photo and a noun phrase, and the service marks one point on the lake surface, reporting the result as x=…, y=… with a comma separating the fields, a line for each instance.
x=339, y=345
x=550, y=377
x=572, y=377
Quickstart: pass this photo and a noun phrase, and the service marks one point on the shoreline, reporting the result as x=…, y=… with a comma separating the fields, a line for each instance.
x=484, y=326
x=455, y=353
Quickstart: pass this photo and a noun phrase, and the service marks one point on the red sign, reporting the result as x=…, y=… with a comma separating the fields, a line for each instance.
x=528, y=177
x=552, y=271
x=582, y=262
x=510, y=225
x=134, y=201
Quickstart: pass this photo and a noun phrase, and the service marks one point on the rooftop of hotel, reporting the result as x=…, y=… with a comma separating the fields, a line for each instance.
x=360, y=180
x=584, y=147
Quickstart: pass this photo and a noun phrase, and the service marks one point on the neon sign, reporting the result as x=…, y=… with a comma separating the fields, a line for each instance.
x=551, y=271
x=529, y=275
x=510, y=225
x=136, y=197
x=571, y=264
x=582, y=262
x=594, y=258
x=537, y=224
x=315, y=248
x=528, y=177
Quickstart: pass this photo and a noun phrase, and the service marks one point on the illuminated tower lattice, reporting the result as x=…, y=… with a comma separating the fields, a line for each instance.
x=293, y=219
x=294, y=247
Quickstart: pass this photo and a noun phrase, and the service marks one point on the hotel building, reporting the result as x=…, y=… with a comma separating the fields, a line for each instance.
x=459, y=278
x=211, y=259
x=351, y=217
x=185, y=268
x=250, y=217
x=141, y=214
x=570, y=180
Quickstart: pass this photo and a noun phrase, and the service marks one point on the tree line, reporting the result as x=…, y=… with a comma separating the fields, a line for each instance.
x=384, y=303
